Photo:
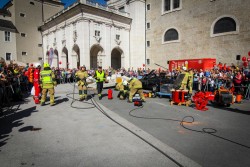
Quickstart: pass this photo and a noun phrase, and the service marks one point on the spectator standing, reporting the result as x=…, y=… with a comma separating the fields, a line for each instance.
x=237, y=81
x=30, y=76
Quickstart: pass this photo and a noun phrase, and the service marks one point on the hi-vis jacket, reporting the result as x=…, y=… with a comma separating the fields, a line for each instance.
x=100, y=77
x=47, y=78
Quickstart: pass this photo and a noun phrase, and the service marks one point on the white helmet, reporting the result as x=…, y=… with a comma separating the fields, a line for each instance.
x=125, y=83
x=184, y=68
x=37, y=65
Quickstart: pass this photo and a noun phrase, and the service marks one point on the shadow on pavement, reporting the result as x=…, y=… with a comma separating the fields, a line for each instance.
x=236, y=110
x=29, y=128
x=11, y=119
x=61, y=101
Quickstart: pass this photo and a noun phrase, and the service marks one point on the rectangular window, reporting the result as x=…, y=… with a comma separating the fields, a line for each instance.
x=176, y=4
x=40, y=58
x=22, y=14
x=171, y=5
x=148, y=43
x=7, y=36
x=167, y=5
x=122, y=9
x=97, y=33
x=24, y=53
x=8, y=56
x=117, y=37
x=148, y=61
x=23, y=35
x=40, y=45
x=148, y=25
x=148, y=6
x=32, y=3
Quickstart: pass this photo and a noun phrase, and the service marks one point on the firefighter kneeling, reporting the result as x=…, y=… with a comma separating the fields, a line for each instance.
x=47, y=77
x=81, y=77
x=122, y=87
x=135, y=86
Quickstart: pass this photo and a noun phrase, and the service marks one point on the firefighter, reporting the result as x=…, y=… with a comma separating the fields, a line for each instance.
x=81, y=77
x=184, y=82
x=187, y=82
x=135, y=86
x=37, y=83
x=100, y=78
x=47, y=78
x=190, y=81
x=122, y=87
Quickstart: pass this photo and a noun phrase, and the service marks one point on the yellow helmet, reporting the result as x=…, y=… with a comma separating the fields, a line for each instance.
x=46, y=65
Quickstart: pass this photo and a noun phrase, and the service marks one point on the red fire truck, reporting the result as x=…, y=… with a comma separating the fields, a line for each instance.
x=203, y=63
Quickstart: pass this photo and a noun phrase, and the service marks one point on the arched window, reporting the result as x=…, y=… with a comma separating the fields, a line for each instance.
x=171, y=35
x=225, y=24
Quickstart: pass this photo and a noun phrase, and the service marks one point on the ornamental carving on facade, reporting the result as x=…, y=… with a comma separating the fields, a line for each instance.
x=64, y=43
x=98, y=38
x=74, y=36
x=118, y=42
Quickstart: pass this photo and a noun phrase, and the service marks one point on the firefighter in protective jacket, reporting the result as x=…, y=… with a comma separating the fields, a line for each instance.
x=122, y=87
x=135, y=86
x=184, y=81
x=47, y=78
x=190, y=81
x=81, y=77
x=187, y=82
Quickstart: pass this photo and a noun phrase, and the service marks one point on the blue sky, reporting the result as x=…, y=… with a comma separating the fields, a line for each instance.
x=67, y=2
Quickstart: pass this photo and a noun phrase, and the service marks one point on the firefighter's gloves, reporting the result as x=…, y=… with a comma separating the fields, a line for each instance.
x=77, y=79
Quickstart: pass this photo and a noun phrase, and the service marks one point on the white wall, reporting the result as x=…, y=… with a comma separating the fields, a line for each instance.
x=85, y=28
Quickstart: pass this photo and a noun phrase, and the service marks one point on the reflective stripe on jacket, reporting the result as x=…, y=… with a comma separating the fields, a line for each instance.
x=46, y=76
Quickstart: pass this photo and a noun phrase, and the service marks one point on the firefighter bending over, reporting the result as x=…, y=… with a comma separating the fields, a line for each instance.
x=122, y=87
x=135, y=86
x=81, y=77
x=47, y=77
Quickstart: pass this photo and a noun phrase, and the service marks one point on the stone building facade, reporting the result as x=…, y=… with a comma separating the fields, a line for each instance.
x=8, y=33
x=90, y=34
x=26, y=16
x=188, y=29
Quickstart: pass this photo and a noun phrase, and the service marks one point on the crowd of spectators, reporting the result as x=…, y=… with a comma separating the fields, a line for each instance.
x=14, y=82
x=231, y=77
